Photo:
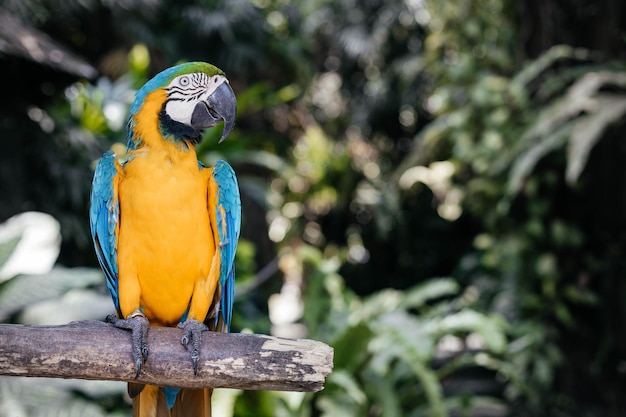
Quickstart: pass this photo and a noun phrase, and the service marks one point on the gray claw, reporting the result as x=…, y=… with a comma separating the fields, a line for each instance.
x=192, y=332
x=138, y=324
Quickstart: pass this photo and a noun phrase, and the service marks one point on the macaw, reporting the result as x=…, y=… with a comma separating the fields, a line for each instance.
x=165, y=227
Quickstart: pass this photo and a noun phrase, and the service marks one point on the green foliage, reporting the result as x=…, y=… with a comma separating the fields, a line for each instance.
x=385, y=346
x=46, y=397
x=60, y=296
x=20, y=293
x=384, y=356
x=517, y=143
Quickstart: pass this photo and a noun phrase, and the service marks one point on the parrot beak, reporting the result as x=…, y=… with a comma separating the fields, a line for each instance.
x=221, y=105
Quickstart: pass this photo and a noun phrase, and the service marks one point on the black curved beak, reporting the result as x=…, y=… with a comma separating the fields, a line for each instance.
x=221, y=105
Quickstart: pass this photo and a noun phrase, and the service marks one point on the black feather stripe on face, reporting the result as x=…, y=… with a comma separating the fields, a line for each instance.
x=179, y=131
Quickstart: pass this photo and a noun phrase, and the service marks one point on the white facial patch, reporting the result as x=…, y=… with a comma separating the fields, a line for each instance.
x=185, y=91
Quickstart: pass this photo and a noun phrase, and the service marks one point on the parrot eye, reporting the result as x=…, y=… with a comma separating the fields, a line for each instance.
x=184, y=81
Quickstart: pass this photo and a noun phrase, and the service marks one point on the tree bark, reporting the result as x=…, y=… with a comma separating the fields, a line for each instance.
x=96, y=350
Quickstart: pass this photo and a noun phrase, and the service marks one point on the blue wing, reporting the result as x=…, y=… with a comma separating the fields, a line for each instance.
x=104, y=215
x=228, y=217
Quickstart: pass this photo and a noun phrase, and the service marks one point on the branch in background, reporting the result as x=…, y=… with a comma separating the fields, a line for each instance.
x=17, y=38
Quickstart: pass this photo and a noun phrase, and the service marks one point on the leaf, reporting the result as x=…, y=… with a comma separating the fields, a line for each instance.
x=491, y=328
x=344, y=396
x=347, y=382
x=549, y=58
x=6, y=249
x=22, y=396
x=537, y=140
x=382, y=390
x=27, y=289
x=351, y=347
x=37, y=249
x=560, y=122
x=593, y=82
x=388, y=300
x=588, y=131
x=555, y=123
x=526, y=162
x=381, y=302
x=430, y=290
x=404, y=337
x=477, y=405
x=76, y=304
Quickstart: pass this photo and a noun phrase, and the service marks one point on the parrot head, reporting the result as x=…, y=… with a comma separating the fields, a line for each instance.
x=181, y=102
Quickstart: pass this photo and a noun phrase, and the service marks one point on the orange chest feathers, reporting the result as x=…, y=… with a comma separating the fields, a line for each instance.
x=165, y=239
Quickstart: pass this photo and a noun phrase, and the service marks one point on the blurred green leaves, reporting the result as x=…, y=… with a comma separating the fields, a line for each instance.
x=385, y=359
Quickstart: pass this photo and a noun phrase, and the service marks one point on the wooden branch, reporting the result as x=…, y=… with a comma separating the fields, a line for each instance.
x=96, y=350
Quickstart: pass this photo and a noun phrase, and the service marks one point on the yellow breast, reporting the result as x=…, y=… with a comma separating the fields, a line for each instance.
x=165, y=243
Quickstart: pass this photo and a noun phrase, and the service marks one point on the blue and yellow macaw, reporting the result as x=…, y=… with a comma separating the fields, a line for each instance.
x=165, y=227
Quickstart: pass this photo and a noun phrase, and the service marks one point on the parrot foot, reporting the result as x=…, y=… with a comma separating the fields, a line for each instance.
x=192, y=332
x=138, y=324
